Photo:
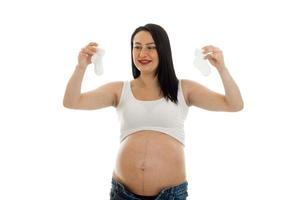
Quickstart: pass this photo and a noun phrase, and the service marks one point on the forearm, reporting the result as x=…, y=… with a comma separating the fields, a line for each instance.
x=73, y=89
x=232, y=93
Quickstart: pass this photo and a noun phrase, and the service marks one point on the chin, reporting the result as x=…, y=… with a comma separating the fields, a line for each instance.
x=146, y=71
x=145, y=68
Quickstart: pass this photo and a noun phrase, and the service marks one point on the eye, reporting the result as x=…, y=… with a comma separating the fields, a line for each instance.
x=151, y=47
x=137, y=47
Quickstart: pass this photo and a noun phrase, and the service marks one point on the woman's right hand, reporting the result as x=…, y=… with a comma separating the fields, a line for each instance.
x=85, y=55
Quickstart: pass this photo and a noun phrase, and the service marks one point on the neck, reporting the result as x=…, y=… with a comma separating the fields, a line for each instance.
x=148, y=81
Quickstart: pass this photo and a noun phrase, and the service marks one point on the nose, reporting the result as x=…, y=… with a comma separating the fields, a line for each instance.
x=143, y=52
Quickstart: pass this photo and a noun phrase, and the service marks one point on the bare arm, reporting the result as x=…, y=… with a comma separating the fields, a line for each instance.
x=233, y=96
x=101, y=97
x=73, y=90
x=201, y=96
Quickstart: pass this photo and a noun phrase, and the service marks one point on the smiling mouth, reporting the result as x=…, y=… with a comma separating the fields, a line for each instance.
x=144, y=62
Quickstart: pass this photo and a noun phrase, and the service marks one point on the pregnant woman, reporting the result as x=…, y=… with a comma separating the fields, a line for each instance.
x=152, y=108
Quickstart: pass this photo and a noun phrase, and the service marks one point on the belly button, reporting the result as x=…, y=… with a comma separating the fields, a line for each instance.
x=143, y=167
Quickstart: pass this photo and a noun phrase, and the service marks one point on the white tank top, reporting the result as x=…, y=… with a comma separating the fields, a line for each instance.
x=158, y=115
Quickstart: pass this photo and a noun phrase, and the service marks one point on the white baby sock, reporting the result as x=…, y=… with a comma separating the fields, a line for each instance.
x=201, y=63
x=97, y=60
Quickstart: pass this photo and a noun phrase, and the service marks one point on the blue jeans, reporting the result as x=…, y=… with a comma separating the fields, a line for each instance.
x=120, y=192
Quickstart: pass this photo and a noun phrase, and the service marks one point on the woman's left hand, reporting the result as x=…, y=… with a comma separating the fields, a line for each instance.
x=215, y=56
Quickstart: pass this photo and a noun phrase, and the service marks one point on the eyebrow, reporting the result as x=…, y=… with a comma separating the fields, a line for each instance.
x=146, y=43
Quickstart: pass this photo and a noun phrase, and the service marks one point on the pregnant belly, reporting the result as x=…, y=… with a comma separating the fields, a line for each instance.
x=149, y=161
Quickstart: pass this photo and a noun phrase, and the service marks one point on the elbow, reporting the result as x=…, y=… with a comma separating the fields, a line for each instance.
x=234, y=107
x=68, y=104
x=237, y=108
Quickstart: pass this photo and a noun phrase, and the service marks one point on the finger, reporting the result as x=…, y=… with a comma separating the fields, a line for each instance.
x=87, y=51
x=92, y=48
x=208, y=56
x=92, y=44
x=207, y=49
x=83, y=55
x=214, y=55
x=211, y=57
x=210, y=49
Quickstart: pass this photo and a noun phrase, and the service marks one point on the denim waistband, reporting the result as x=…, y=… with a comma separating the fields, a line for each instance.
x=175, y=190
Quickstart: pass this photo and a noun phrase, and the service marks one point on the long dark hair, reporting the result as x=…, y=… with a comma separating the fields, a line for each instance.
x=165, y=71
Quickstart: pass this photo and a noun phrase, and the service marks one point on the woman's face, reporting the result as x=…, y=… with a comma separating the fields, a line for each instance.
x=144, y=52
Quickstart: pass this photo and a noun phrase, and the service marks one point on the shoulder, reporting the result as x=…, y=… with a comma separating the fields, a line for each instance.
x=113, y=86
x=189, y=87
x=116, y=84
x=116, y=88
x=185, y=86
x=189, y=84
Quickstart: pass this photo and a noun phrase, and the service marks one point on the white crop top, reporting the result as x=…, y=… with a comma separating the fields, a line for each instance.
x=158, y=115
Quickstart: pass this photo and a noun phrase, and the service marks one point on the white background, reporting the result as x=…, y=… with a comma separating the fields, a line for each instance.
x=50, y=152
